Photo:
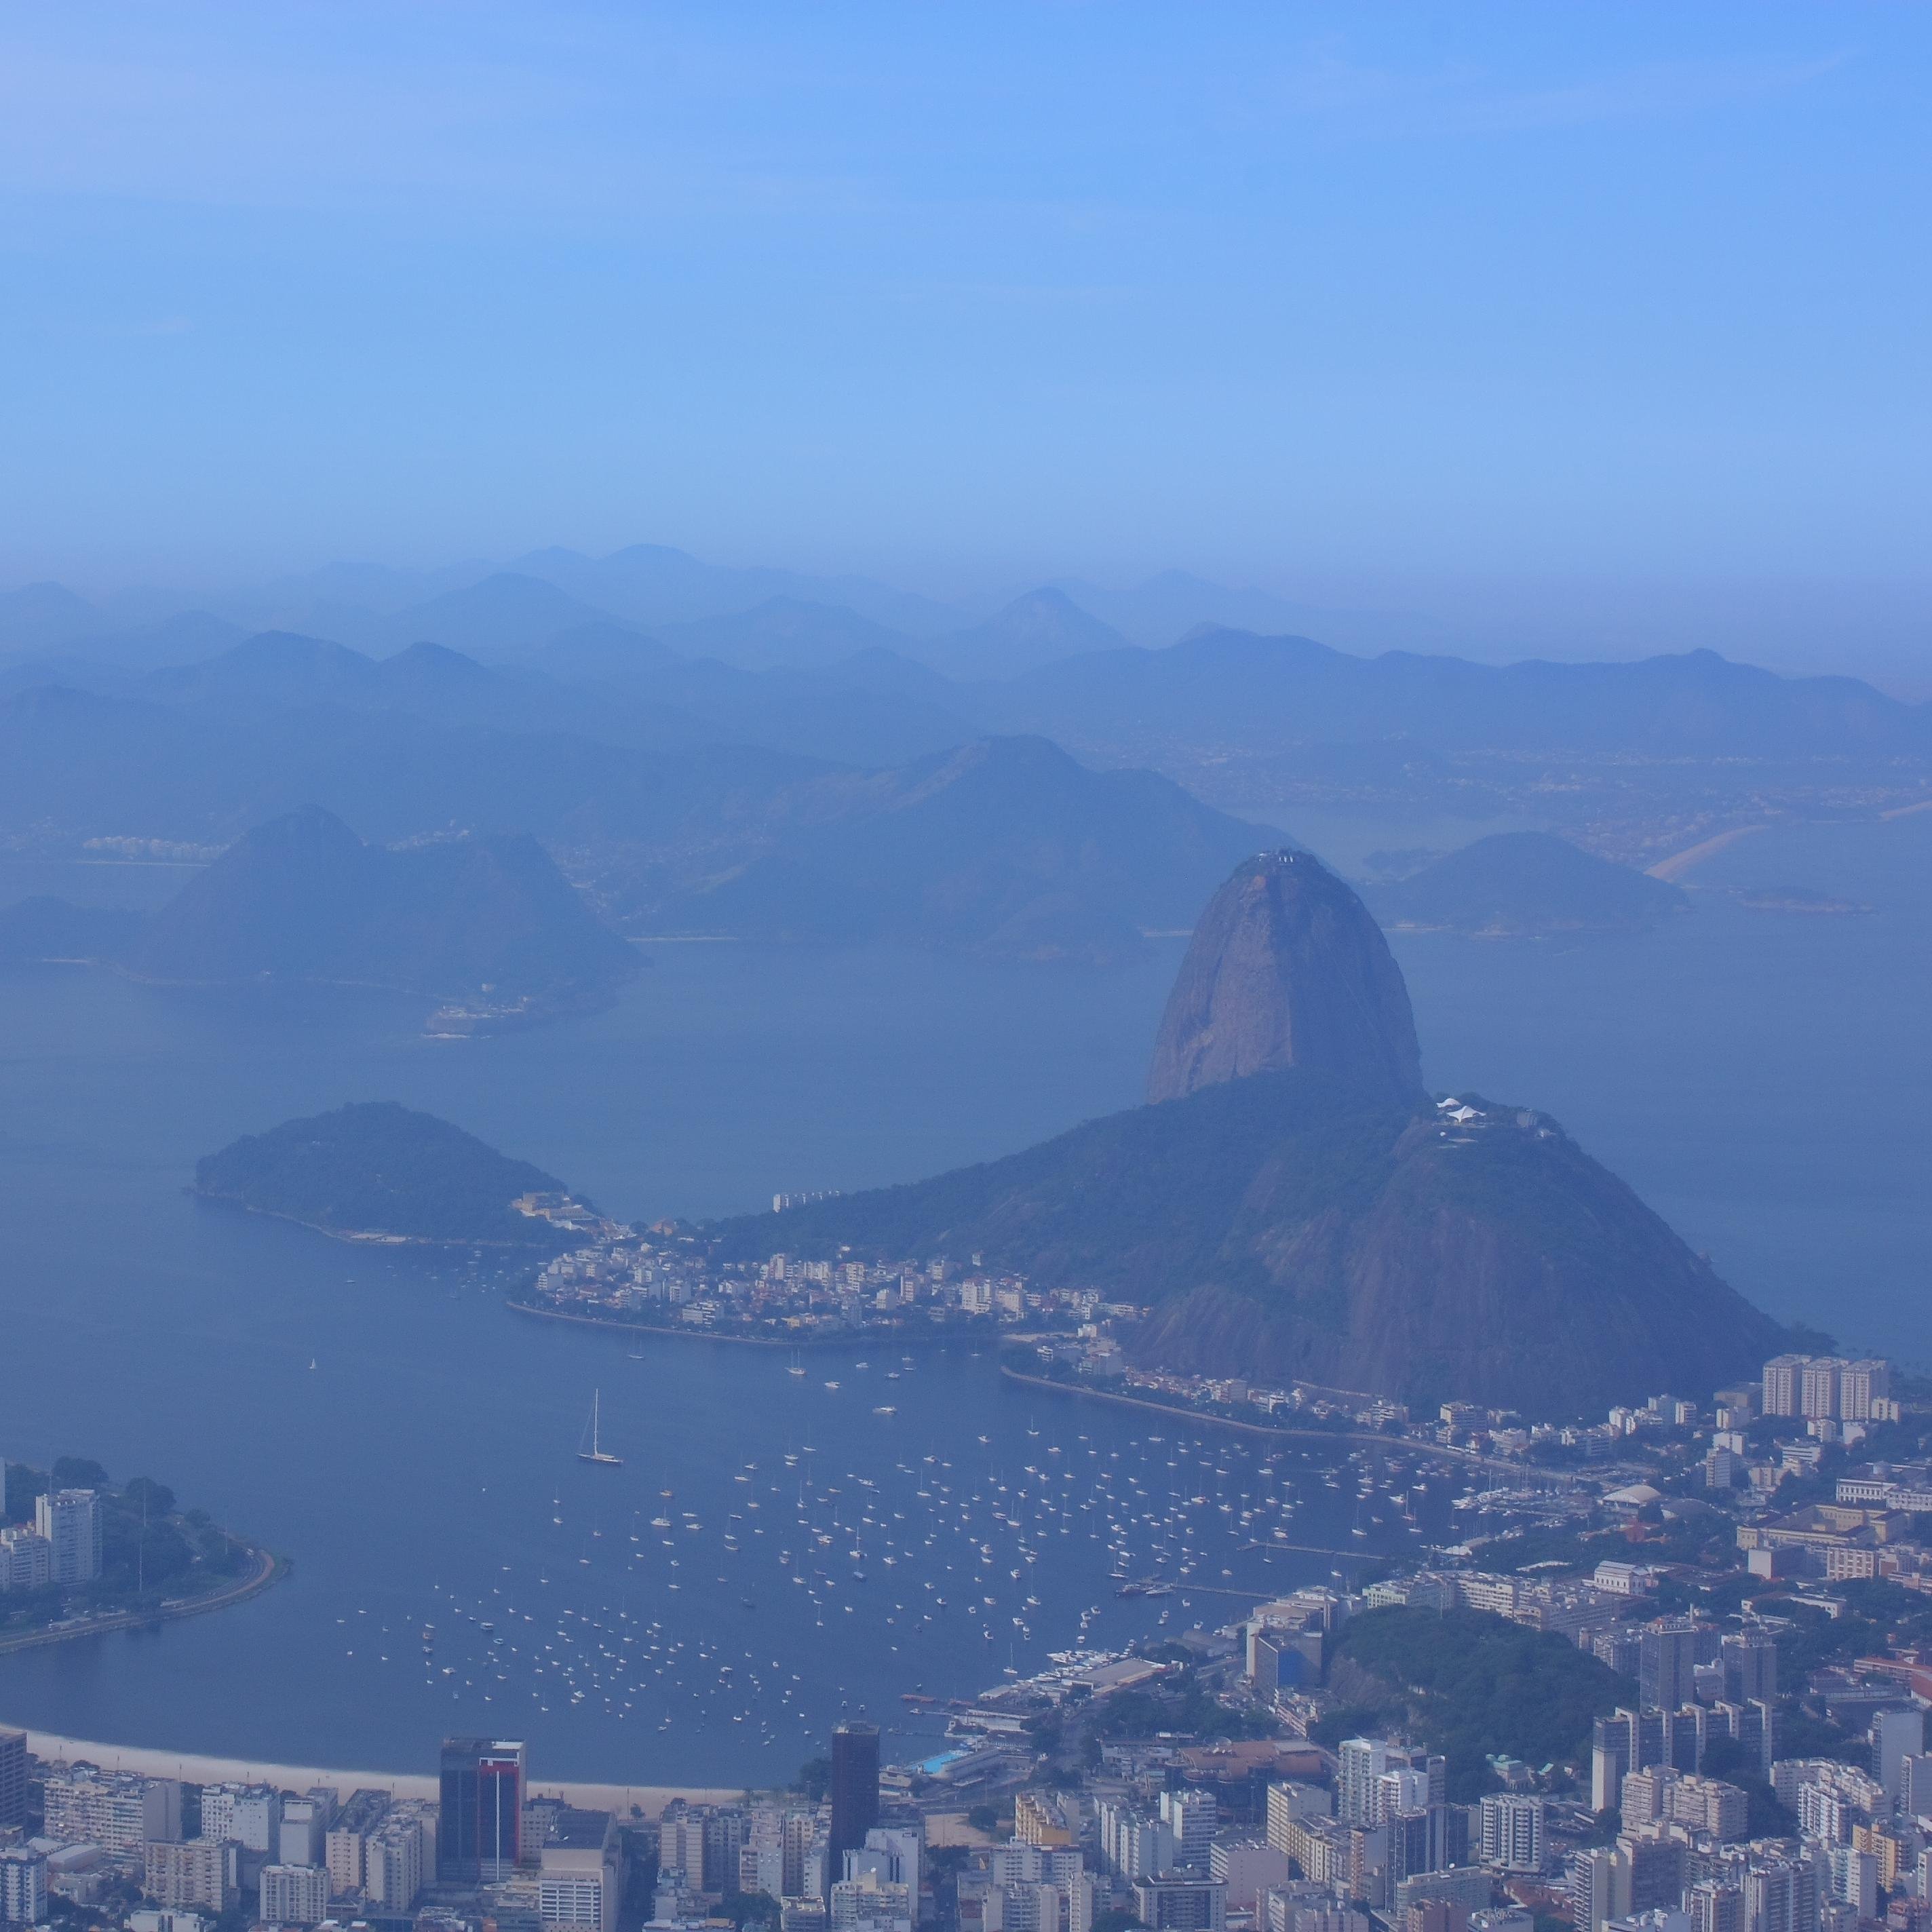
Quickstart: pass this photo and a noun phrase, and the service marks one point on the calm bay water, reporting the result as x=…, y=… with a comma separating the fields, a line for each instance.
x=1758, y=1077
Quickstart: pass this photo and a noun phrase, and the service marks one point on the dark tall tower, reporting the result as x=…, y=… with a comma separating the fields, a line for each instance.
x=479, y=1831
x=13, y=1778
x=855, y=1792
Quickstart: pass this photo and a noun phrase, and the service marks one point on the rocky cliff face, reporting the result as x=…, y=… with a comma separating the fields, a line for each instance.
x=1287, y=969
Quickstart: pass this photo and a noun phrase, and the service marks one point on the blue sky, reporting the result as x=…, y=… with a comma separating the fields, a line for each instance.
x=1576, y=317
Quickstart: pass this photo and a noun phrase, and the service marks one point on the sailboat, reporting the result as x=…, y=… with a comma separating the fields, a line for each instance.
x=595, y=1453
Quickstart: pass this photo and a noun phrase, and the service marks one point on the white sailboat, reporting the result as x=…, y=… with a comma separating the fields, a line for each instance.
x=596, y=1453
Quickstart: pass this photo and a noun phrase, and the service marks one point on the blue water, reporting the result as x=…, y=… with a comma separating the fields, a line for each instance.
x=1760, y=1077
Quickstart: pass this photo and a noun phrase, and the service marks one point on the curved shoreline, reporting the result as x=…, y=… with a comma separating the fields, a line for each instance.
x=850, y=1338
x=269, y=1569
x=363, y=1237
x=1562, y=1478
x=202, y=1768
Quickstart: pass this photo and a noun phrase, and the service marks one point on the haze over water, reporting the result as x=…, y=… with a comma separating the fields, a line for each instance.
x=1757, y=1076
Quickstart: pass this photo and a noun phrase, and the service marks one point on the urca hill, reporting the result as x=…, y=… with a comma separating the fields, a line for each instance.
x=1293, y=1204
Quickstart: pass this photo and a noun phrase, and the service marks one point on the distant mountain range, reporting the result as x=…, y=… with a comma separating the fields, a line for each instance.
x=871, y=794
x=303, y=898
x=1007, y=846
x=1293, y=1206
x=1234, y=688
x=757, y=618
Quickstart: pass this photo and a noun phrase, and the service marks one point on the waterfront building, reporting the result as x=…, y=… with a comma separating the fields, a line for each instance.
x=119, y=1811
x=304, y=1831
x=26, y=1559
x=479, y=1822
x=345, y=1846
x=294, y=1894
x=681, y=1845
x=23, y=1886
x=201, y=1875
x=250, y=1814
x=13, y=1779
x=71, y=1520
x=855, y=1789
x=577, y=1885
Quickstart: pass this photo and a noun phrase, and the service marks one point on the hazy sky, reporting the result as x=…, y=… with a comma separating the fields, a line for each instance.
x=1564, y=308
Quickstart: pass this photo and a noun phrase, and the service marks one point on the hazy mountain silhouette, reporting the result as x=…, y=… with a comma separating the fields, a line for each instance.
x=303, y=898
x=1005, y=846
x=1232, y=687
x=1528, y=882
x=1040, y=628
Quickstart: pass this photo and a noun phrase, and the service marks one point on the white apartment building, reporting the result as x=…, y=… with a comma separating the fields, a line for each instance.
x=71, y=1520
x=1512, y=1831
x=120, y=1811
x=577, y=1876
x=294, y=1894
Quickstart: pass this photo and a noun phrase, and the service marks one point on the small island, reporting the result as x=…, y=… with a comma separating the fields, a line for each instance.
x=1524, y=885
x=80, y=1555
x=375, y=1170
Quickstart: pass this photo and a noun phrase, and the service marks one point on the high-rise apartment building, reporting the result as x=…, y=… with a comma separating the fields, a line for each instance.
x=1667, y=1665
x=855, y=1790
x=71, y=1520
x=1781, y=1383
x=13, y=1779
x=1193, y=1817
x=479, y=1823
x=1895, y=1736
x=23, y=1886
x=1513, y=1829
x=1781, y=1895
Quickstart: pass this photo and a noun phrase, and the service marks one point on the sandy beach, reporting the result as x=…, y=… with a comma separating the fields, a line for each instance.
x=1680, y=864
x=649, y=1800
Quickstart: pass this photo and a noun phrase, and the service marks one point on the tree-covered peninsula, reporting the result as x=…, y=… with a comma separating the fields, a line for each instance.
x=375, y=1170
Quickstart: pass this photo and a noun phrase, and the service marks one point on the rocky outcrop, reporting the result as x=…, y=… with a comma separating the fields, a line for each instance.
x=1296, y=1208
x=1287, y=968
